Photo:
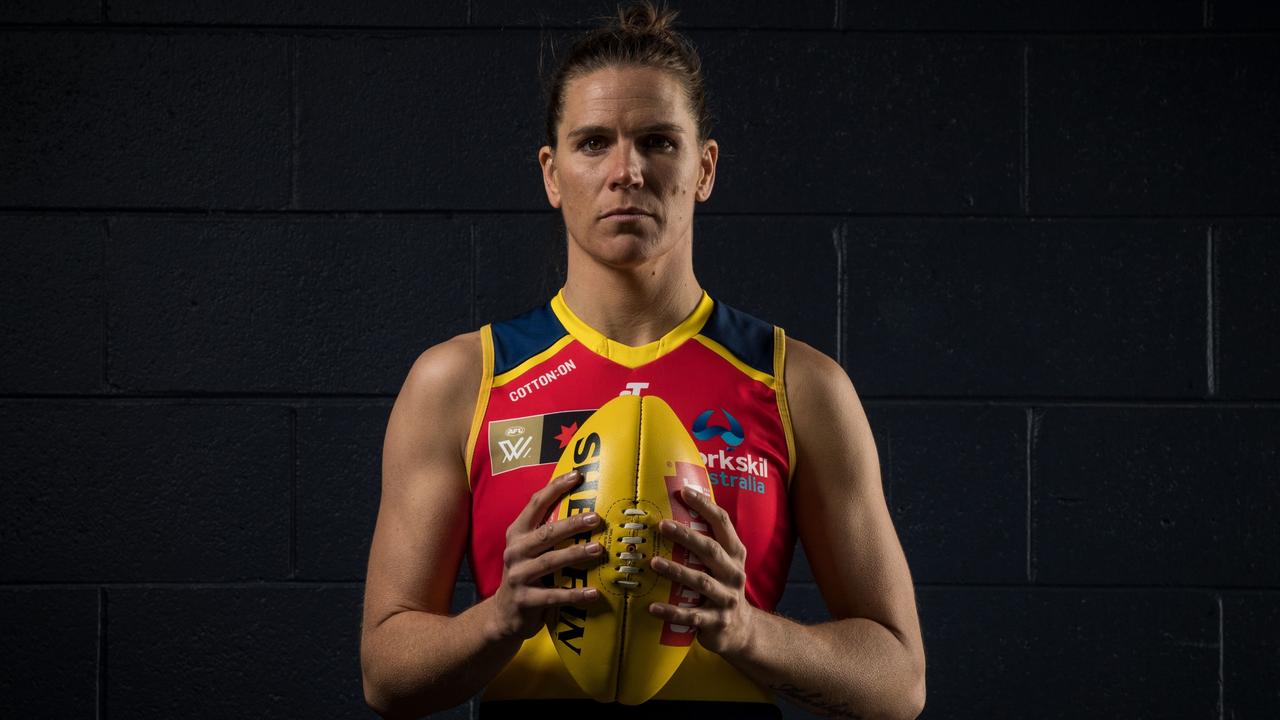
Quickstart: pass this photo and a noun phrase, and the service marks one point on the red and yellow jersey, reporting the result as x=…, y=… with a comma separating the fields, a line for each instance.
x=720, y=370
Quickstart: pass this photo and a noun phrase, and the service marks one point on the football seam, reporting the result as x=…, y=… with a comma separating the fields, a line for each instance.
x=626, y=597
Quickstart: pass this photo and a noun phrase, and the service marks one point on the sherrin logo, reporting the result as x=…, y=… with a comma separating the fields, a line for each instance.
x=572, y=628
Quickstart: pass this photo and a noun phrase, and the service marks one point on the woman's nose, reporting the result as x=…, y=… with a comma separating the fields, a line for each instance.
x=626, y=166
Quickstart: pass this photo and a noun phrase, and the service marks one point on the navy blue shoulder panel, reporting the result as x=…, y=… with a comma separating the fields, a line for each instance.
x=749, y=338
x=523, y=336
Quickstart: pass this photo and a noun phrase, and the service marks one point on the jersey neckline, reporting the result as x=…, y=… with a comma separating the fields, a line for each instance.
x=631, y=356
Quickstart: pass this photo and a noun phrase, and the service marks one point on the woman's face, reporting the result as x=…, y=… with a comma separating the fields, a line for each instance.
x=627, y=138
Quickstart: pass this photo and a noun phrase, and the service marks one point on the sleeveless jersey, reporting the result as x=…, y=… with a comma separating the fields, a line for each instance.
x=720, y=370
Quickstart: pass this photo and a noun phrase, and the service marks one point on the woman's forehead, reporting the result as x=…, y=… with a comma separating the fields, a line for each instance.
x=610, y=90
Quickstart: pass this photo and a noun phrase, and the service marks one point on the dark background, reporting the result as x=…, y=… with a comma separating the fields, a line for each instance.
x=1043, y=243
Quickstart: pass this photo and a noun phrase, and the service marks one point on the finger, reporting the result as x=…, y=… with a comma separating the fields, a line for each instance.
x=688, y=617
x=541, y=501
x=707, y=549
x=576, y=596
x=536, y=567
x=697, y=581
x=718, y=518
x=545, y=536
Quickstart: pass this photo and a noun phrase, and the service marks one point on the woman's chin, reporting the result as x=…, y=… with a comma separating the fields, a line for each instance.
x=626, y=250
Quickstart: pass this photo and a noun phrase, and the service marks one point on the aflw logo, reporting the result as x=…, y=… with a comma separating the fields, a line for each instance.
x=515, y=450
x=532, y=439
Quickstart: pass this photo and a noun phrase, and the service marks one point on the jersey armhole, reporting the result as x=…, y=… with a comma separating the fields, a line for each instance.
x=482, y=396
x=780, y=392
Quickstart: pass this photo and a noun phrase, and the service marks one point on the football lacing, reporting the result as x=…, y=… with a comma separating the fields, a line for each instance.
x=629, y=556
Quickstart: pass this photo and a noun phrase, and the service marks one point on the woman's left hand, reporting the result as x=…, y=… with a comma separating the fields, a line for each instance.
x=724, y=620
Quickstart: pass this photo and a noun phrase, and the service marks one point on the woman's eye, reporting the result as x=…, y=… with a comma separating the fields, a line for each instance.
x=657, y=141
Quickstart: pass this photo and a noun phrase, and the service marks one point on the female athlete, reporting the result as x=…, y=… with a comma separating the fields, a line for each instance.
x=482, y=418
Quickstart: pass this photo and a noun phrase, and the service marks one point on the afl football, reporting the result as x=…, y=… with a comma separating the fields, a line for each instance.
x=634, y=456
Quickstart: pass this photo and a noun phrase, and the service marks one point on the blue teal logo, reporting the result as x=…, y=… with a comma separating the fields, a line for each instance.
x=732, y=435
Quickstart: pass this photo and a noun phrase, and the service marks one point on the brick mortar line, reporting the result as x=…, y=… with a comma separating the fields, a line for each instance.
x=355, y=400
x=1222, y=651
x=360, y=32
x=1026, y=128
x=1211, y=306
x=295, y=458
x=293, y=122
x=105, y=588
x=224, y=214
x=100, y=677
x=106, y=309
x=471, y=230
x=838, y=241
x=1034, y=419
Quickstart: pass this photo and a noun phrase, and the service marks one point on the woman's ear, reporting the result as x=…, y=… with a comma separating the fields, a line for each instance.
x=547, y=159
x=707, y=170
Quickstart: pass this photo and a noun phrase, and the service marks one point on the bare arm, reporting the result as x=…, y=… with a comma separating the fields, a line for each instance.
x=868, y=662
x=410, y=648
x=415, y=657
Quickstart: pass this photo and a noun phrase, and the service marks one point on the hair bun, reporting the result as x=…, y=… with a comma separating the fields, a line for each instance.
x=643, y=17
x=639, y=34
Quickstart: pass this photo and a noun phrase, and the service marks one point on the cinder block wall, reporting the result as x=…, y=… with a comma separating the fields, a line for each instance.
x=1042, y=238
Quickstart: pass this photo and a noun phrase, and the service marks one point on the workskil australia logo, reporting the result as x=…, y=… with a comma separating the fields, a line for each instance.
x=731, y=435
x=754, y=470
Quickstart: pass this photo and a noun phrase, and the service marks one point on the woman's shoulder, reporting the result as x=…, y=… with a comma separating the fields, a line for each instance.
x=813, y=377
x=449, y=362
x=446, y=377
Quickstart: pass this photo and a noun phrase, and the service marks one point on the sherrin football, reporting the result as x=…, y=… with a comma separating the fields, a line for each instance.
x=634, y=456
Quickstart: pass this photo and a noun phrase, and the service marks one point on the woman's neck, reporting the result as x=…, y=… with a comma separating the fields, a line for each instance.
x=633, y=306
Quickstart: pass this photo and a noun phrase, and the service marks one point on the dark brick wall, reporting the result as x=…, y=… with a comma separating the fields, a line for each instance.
x=1042, y=238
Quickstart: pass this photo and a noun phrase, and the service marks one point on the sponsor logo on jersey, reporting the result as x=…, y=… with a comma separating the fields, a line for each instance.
x=732, y=435
x=520, y=392
x=738, y=471
x=753, y=471
x=532, y=440
x=634, y=388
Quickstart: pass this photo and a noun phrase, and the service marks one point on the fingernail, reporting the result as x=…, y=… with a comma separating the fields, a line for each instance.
x=590, y=518
x=668, y=525
x=591, y=593
x=594, y=548
x=659, y=563
x=573, y=475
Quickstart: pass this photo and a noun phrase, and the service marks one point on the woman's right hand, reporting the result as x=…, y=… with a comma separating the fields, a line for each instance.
x=522, y=605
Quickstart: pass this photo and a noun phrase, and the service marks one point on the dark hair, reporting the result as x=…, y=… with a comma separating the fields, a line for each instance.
x=640, y=34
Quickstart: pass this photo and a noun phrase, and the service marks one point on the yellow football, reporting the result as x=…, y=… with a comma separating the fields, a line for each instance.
x=634, y=455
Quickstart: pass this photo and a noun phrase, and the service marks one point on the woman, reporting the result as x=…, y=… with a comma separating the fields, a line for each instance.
x=787, y=444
